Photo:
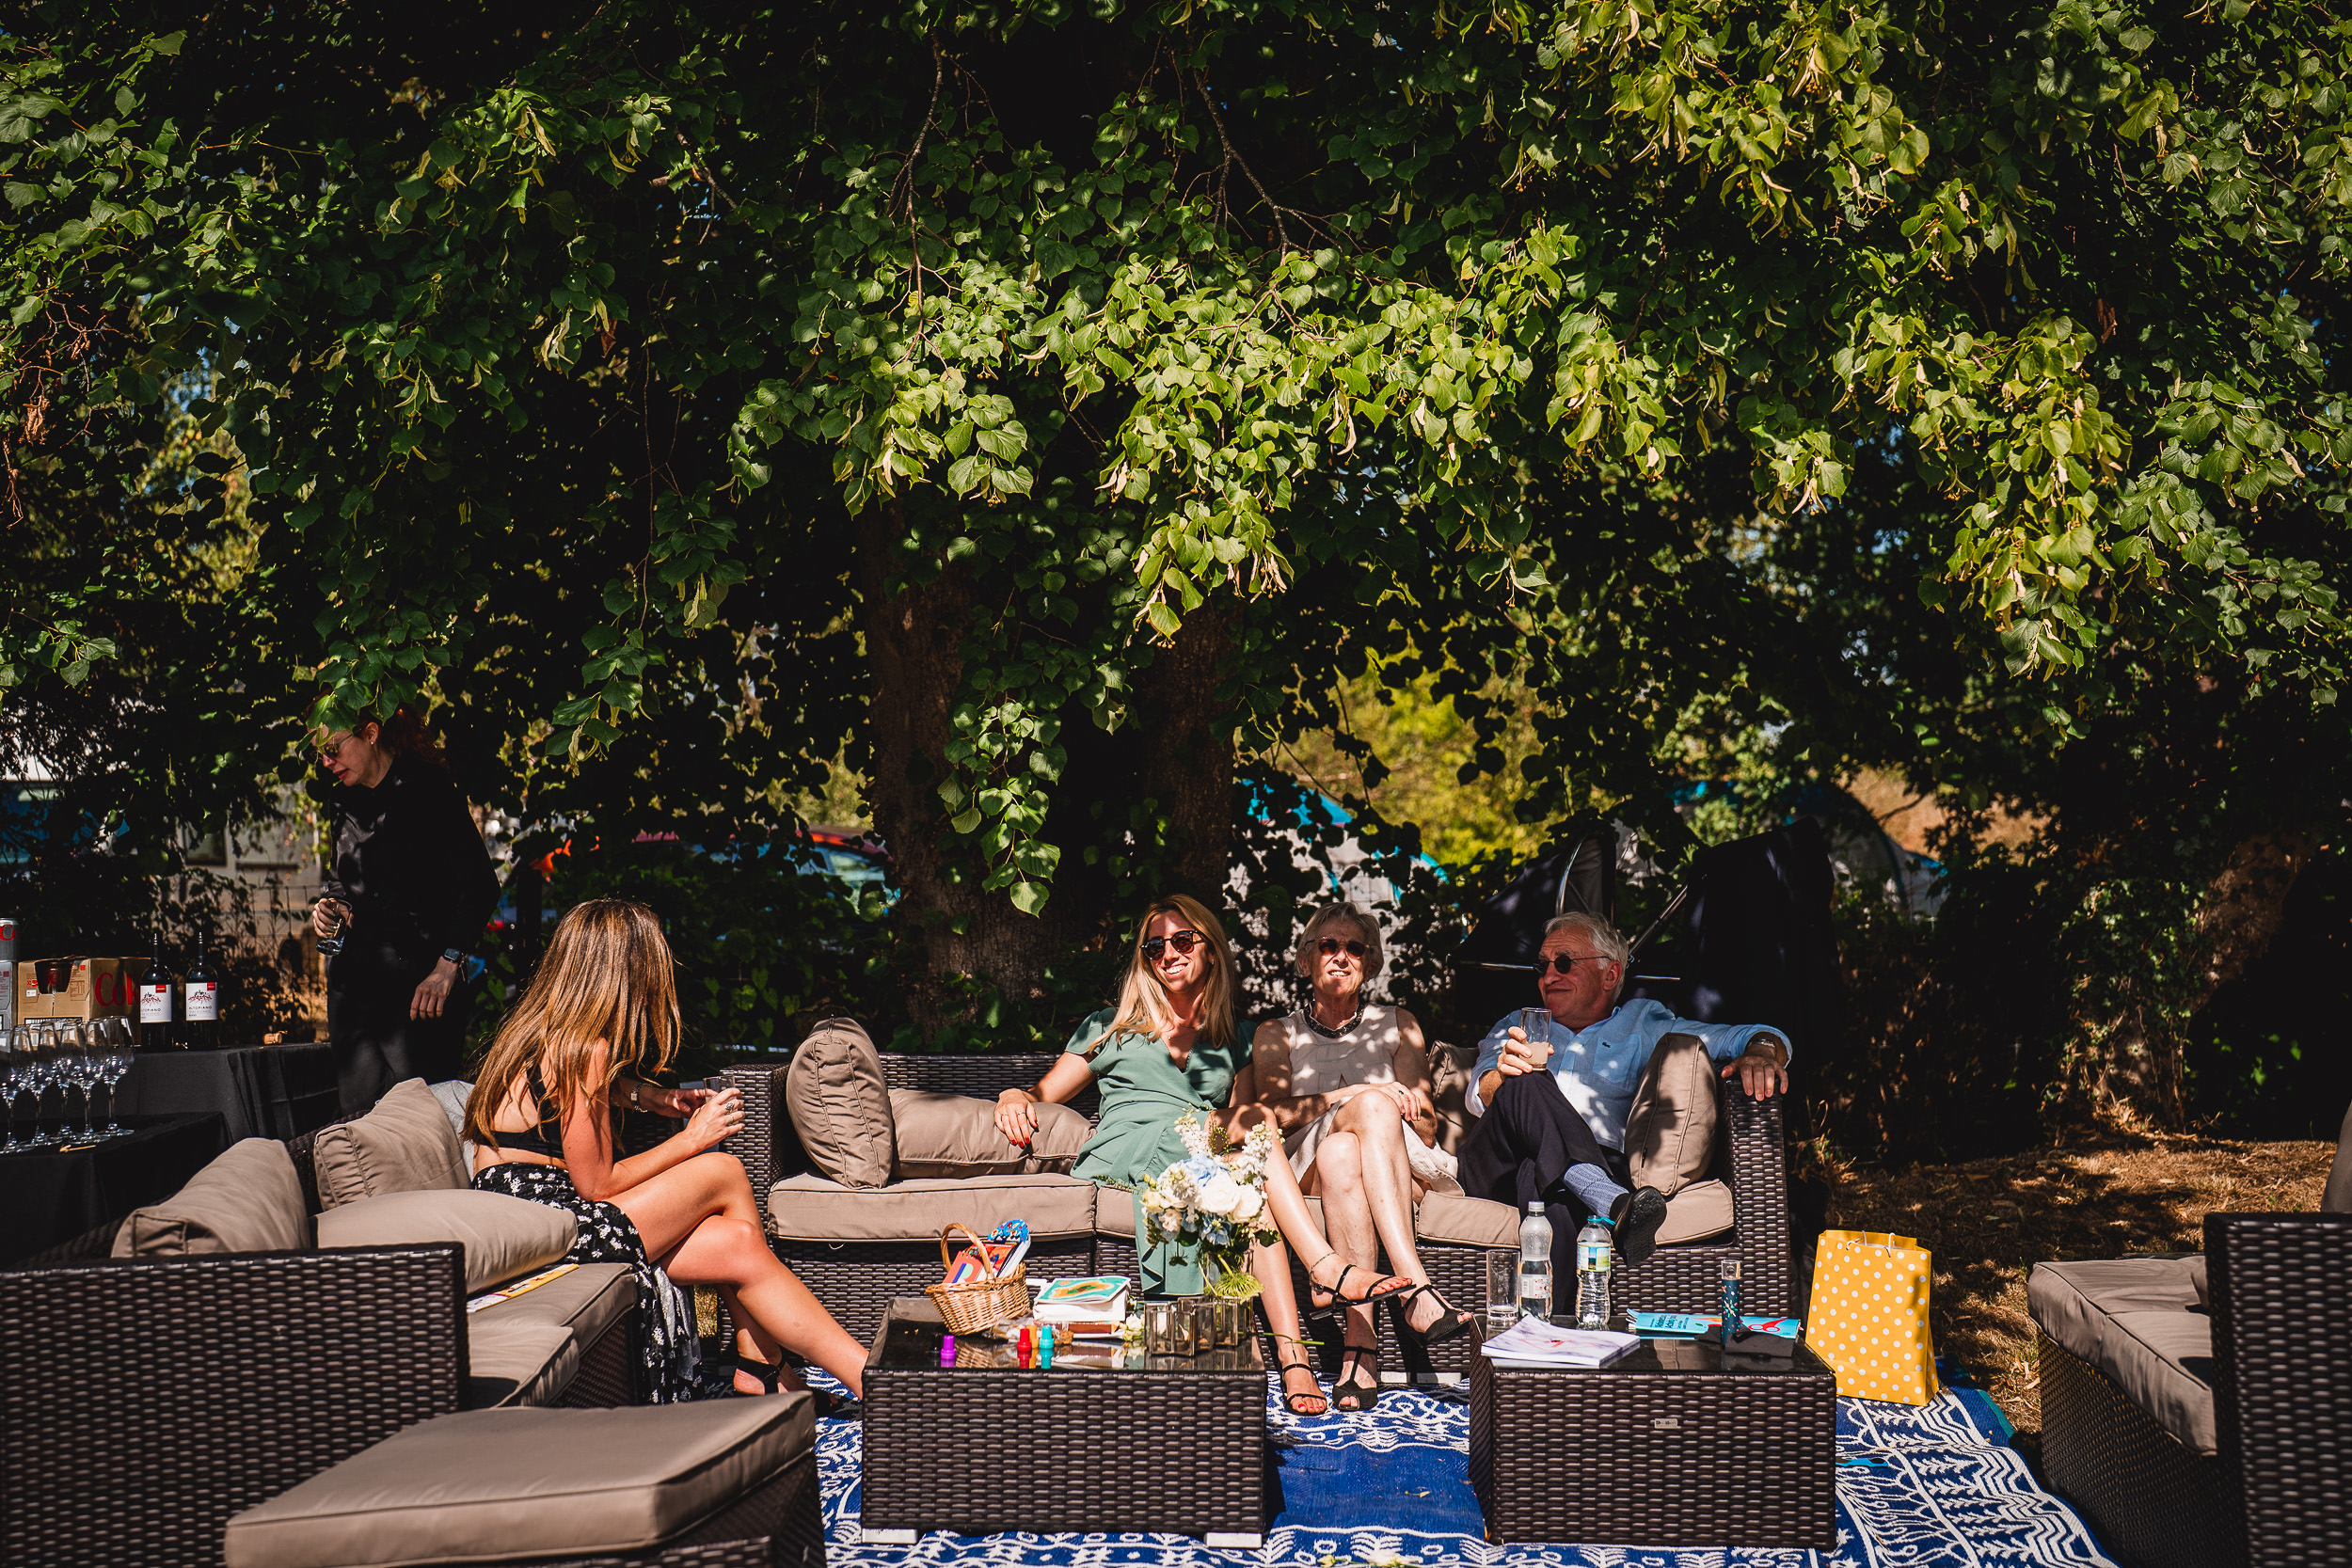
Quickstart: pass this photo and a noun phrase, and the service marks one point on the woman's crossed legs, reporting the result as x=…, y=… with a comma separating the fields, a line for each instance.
x=700, y=1222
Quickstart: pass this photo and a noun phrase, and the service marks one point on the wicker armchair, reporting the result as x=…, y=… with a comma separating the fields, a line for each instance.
x=145, y=1401
x=2278, y=1491
x=856, y=1281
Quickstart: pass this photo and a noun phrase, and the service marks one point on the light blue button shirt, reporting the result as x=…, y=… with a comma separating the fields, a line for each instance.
x=1598, y=1065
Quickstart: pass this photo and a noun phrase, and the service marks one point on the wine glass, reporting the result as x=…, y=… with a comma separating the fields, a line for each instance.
x=40, y=1057
x=77, y=1068
x=122, y=1052
x=16, y=1061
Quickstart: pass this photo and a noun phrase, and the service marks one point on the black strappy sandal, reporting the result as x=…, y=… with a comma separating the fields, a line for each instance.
x=1324, y=1297
x=830, y=1405
x=1304, y=1364
x=1352, y=1395
x=768, y=1373
x=1452, y=1321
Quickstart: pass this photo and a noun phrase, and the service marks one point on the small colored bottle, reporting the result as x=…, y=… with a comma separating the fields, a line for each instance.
x=1731, y=1301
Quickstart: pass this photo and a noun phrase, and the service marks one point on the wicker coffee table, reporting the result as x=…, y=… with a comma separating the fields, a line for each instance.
x=958, y=1440
x=1667, y=1448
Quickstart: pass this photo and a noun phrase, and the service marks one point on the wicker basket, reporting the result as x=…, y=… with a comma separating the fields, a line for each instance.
x=982, y=1303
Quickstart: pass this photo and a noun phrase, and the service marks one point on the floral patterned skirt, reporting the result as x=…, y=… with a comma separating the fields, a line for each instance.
x=667, y=1349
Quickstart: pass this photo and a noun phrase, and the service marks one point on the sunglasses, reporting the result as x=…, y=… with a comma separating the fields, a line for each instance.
x=1565, y=963
x=1184, y=941
x=1330, y=946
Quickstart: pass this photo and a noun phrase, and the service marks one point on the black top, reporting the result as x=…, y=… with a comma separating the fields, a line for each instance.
x=409, y=862
x=536, y=1140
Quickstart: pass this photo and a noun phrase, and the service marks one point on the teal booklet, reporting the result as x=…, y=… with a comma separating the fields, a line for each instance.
x=1685, y=1325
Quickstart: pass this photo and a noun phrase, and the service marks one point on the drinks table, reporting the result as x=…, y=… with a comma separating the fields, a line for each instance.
x=959, y=1437
x=59, y=1198
x=1665, y=1448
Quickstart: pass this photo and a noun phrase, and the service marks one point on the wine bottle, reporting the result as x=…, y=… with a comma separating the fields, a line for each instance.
x=199, y=1005
x=155, y=1002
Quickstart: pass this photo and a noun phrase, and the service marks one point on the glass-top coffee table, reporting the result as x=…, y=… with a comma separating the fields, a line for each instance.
x=959, y=1436
x=1669, y=1447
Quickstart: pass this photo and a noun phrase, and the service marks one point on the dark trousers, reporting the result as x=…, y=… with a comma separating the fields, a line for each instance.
x=1525, y=1143
x=377, y=1043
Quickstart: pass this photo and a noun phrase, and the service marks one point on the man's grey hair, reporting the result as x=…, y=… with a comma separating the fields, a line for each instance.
x=1342, y=912
x=1604, y=939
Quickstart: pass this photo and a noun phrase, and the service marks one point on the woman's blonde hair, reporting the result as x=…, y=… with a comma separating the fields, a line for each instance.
x=1143, y=1005
x=606, y=980
x=1343, y=912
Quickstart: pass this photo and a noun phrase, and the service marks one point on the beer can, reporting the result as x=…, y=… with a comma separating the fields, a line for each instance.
x=8, y=973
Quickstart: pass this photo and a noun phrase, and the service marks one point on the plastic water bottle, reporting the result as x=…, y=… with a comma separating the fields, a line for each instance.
x=1535, y=1264
x=1595, y=1253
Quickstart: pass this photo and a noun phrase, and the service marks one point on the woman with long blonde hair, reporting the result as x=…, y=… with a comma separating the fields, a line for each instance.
x=1167, y=1049
x=602, y=1011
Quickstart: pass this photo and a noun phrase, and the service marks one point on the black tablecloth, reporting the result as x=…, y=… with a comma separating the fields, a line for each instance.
x=52, y=1196
x=259, y=1091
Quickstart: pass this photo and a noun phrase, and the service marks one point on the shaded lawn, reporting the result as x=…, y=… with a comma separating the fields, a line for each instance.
x=1989, y=1221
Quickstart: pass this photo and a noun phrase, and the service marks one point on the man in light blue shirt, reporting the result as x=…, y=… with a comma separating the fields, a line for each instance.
x=1552, y=1109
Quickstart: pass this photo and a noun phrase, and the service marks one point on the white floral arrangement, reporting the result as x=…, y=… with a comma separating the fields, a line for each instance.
x=1212, y=1203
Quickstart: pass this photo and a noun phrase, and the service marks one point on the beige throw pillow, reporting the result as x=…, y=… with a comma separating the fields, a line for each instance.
x=249, y=1199
x=1670, y=1132
x=953, y=1134
x=840, y=1105
x=405, y=1145
x=506, y=1237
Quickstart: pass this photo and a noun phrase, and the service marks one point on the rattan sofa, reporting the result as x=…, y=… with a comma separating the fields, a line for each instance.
x=145, y=1401
x=2207, y=1435
x=892, y=1249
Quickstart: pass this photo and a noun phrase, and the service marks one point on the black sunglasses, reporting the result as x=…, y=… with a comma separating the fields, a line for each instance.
x=1565, y=963
x=1329, y=945
x=1181, y=941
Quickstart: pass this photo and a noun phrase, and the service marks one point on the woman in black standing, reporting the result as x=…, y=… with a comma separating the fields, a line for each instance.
x=415, y=886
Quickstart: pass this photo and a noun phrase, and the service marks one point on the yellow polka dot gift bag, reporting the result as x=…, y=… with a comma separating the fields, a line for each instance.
x=1869, y=1316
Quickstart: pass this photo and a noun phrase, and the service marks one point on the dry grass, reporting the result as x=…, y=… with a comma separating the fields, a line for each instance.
x=1989, y=1221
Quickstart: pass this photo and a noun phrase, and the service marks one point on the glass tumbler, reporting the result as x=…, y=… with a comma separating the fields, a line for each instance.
x=1502, y=1290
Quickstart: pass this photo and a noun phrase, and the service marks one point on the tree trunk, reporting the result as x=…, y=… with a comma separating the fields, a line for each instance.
x=1186, y=750
x=911, y=645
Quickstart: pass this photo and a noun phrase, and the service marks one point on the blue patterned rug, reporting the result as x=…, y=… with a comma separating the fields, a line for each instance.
x=1937, y=1487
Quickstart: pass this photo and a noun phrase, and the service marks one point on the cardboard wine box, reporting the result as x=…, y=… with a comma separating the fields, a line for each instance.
x=100, y=988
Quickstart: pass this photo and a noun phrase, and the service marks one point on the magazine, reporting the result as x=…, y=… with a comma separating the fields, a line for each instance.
x=1091, y=1298
x=477, y=1302
x=1532, y=1343
x=1700, y=1324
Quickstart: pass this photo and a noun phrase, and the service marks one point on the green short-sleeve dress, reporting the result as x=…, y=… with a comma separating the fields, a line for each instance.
x=1134, y=1132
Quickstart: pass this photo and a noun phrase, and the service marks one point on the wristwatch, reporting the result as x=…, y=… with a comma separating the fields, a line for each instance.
x=455, y=955
x=635, y=1101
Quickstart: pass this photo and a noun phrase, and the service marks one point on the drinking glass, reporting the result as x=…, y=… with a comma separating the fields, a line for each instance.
x=82, y=1067
x=48, y=1051
x=1535, y=1024
x=123, y=1054
x=336, y=916
x=15, y=1065
x=1502, y=1290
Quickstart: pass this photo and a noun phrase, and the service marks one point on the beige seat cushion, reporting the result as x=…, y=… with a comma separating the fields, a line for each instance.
x=1701, y=1210
x=406, y=1144
x=941, y=1136
x=840, y=1105
x=506, y=1237
x=494, y=1485
x=514, y=1361
x=1461, y=1221
x=249, y=1199
x=587, y=1302
x=811, y=1208
x=2137, y=1320
x=1670, y=1128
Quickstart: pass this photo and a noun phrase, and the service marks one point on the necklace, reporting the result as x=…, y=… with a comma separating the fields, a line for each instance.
x=1326, y=1030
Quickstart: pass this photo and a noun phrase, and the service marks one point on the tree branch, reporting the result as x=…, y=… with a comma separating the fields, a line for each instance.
x=1281, y=235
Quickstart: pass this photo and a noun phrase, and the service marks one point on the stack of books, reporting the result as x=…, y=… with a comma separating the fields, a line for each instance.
x=1090, y=1307
x=1532, y=1344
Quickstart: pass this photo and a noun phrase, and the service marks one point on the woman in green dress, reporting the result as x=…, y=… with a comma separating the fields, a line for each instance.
x=1167, y=1049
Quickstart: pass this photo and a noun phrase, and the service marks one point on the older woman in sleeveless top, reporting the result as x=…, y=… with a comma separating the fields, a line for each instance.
x=1347, y=1082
